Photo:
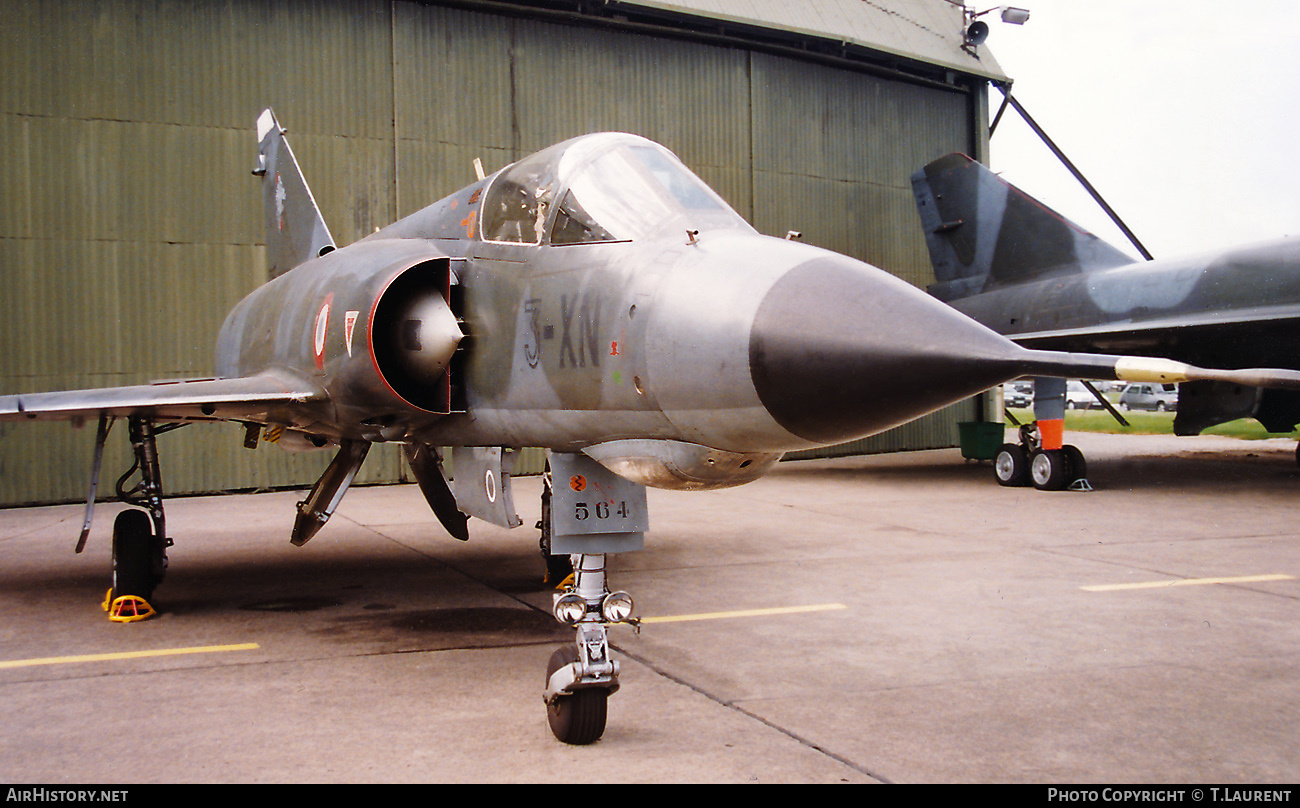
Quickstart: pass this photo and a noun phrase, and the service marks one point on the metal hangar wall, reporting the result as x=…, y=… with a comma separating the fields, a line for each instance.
x=130, y=224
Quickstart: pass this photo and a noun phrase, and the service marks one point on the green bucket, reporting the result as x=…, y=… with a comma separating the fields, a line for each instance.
x=980, y=440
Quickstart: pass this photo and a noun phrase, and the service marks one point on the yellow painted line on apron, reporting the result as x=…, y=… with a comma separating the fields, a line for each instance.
x=683, y=618
x=161, y=652
x=1244, y=579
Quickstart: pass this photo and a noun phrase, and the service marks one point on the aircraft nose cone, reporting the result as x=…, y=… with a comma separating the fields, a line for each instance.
x=841, y=350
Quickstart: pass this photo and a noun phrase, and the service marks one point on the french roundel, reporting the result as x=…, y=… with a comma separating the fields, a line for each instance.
x=322, y=325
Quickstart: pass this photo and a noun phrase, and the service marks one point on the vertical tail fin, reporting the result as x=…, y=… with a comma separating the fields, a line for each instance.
x=982, y=232
x=295, y=230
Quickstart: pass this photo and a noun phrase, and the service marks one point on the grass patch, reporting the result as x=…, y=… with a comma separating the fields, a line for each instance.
x=1150, y=423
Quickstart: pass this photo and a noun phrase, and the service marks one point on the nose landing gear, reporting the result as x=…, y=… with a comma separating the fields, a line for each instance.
x=587, y=513
x=581, y=677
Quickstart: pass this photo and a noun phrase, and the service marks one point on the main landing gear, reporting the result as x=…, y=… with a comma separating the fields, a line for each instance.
x=1026, y=463
x=139, y=561
x=139, y=533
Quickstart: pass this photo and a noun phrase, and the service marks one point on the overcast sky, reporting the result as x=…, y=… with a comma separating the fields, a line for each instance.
x=1184, y=114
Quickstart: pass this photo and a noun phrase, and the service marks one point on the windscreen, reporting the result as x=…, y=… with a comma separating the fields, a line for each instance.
x=619, y=188
x=628, y=192
x=516, y=206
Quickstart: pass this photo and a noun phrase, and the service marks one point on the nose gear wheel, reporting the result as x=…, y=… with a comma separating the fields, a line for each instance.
x=577, y=718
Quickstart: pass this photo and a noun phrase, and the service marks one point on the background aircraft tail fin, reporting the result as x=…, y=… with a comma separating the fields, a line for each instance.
x=983, y=232
x=295, y=229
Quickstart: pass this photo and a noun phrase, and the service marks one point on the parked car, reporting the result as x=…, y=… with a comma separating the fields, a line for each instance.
x=1018, y=394
x=1158, y=397
x=1078, y=397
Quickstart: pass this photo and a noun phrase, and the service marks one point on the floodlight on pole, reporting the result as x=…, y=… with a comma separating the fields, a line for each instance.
x=1015, y=16
x=977, y=30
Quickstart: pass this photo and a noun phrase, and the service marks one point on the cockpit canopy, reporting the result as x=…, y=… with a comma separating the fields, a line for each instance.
x=599, y=188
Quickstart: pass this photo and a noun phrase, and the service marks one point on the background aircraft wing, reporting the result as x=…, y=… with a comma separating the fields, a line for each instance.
x=1262, y=336
x=204, y=399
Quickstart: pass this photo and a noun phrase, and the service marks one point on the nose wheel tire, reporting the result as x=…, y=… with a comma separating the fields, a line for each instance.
x=577, y=718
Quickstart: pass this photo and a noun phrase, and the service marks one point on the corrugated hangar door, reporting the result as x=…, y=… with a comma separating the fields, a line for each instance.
x=834, y=151
x=130, y=224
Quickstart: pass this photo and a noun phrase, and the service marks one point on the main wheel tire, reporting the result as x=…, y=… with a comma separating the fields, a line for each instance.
x=1078, y=466
x=1011, y=465
x=1049, y=470
x=579, y=717
x=133, y=555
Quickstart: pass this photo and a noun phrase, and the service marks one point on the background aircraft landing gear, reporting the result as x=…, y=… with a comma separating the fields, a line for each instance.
x=1027, y=463
x=1057, y=469
x=1048, y=469
x=1011, y=466
x=1078, y=466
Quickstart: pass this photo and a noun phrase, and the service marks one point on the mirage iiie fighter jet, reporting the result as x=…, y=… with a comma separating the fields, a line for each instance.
x=596, y=299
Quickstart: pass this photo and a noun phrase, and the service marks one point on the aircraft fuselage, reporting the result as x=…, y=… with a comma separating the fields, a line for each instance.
x=705, y=337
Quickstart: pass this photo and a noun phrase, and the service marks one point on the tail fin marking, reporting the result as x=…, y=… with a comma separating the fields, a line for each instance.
x=295, y=229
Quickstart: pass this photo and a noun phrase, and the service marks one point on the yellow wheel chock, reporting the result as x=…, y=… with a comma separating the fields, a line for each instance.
x=127, y=608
